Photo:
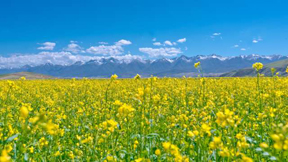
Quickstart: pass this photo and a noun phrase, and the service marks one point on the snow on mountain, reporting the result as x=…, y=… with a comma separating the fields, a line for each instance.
x=127, y=66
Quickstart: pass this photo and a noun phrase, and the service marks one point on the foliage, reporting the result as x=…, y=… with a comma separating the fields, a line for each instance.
x=167, y=119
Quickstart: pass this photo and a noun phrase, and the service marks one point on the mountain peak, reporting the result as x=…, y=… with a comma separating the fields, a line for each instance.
x=128, y=67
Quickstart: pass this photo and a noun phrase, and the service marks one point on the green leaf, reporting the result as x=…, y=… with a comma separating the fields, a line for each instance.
x=153, y=134
x=26, y=157
x=12, y=138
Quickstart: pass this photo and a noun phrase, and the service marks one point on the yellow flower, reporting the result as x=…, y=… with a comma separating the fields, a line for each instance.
x=242, y=143
x=264, y=145
x=197, y=64
x=239, y=136
x=89, y=139
x=216, y=143
x=22, y=78
x=71, y=155
x=191, y=134
x=194, y=114
x=4, y=156
x=24, y=112
x=50, y=127
x=166, y=145
x=114, y=76
x=224, y=152
x=287, y=69
x=110, y=158
x=275, y=137
x=273, y=70
x=280, y=141
x=225, y=118
x=217, y=140
x=137, y=77
x=43, y=142
x=246, y=159
x=138, y=160
x=135, y=144
x=117, y=102
x=157, y=152
x=195, y=132
x=57, y=153
x=125, y=110
x=142, y=160
x=258, y=66
x=31, y=149
x=206, y=129
x=8, y=148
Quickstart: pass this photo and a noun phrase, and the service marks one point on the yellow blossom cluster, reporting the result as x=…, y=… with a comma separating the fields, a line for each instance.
x=257, y=66
x=145, y=119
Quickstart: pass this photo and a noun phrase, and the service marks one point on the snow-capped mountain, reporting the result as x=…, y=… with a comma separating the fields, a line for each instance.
x=182, y=65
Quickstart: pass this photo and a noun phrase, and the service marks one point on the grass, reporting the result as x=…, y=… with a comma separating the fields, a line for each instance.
x=27, y=75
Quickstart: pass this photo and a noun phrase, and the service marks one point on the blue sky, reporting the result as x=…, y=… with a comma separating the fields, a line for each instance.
x=223, y=27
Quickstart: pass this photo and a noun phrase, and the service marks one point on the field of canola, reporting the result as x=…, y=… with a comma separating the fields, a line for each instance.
x=152, y=119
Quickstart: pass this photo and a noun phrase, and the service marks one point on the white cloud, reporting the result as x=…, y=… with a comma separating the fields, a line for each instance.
x=167, y=42
x=128, y=58
x=56, y=58
x=103, y=43
x=257, y=40
x=236, y=46
x=60, y=58
x=47, y=46
x=181, y=40
x=123, y=42
x=154, y=39
x=113, y=50
x=216, y=34
x=157, y=44
x=243, y=49
x=105, y=50
x=74, y=48
x=156, y=52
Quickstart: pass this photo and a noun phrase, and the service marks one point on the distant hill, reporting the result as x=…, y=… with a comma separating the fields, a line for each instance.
x=280, y=67
x=27, y=75
x=212, y=65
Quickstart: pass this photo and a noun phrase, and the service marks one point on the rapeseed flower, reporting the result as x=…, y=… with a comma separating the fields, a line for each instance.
x=4, y=156
x=24, y=112
x=257, y=66
x=197, y=64
x=203, y=119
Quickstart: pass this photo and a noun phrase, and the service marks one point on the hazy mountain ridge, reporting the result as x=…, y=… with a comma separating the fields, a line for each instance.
x=279, y=66
x=105, y=67
x=27, y=75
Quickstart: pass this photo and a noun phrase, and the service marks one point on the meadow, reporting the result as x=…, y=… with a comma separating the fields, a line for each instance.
x=144, y=119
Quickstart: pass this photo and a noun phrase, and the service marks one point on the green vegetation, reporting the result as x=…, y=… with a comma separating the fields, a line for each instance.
x=27, y=75
x=280, y=67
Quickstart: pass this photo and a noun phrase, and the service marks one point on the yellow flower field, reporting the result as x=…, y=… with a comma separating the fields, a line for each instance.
x=153, y=119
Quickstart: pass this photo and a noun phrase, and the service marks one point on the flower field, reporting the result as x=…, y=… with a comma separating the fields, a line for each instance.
x=152, y=119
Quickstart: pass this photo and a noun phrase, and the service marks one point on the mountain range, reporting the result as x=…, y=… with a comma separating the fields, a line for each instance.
x=279, y=66
x=212, y=65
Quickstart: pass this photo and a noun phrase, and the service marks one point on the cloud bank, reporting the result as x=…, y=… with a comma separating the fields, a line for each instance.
x=74, y=48
x=56, y=58
x=181, y=40
x=112, y=50
x=73, y=52
x=47, y=46
x=164, y=52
